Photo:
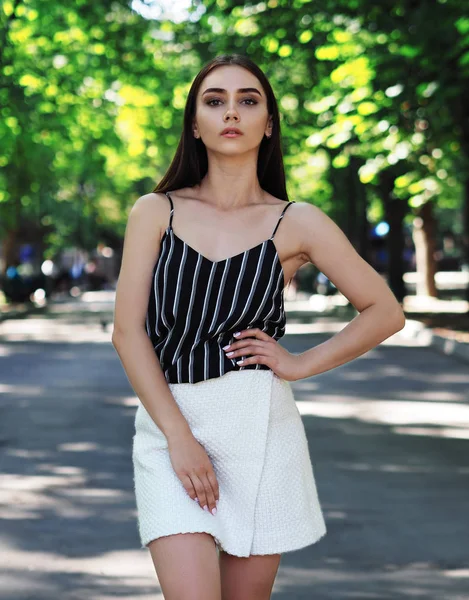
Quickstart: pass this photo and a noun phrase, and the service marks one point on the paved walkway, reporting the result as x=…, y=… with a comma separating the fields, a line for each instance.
x=389, y=440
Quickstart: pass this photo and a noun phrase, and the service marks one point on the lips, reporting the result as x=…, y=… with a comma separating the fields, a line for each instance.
x=231, y=130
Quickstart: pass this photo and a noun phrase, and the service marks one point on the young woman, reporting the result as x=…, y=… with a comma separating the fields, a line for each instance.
x=223, y=478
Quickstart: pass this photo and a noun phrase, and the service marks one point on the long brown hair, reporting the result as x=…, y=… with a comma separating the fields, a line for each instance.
x=190, y=162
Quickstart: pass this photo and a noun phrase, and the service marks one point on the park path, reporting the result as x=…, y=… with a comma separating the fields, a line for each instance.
x=389, y=441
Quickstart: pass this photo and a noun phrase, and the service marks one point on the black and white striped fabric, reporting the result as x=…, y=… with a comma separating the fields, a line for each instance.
x=196, y=305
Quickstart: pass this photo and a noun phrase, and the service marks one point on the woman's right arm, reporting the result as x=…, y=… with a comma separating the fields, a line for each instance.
x=135, y=349
x=129, y=337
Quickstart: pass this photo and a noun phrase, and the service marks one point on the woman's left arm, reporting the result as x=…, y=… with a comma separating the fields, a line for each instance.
x=381, y=315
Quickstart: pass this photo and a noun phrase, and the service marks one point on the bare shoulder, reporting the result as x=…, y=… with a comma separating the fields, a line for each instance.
x=146, y=221
x=322, y=241
x=316, y=230
x=299, y=220
x=151, y=210
x=185, y=193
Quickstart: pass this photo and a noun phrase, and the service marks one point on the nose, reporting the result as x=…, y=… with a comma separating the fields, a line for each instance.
x=231, y=112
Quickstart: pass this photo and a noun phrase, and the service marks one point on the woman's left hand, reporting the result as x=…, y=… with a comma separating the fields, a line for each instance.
x=267, y=351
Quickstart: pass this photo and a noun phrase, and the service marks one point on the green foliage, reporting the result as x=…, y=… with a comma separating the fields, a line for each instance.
x=92, y=96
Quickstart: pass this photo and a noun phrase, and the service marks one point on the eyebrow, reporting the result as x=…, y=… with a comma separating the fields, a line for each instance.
x=240, y=90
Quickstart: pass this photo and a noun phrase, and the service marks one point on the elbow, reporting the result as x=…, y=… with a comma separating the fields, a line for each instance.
x=116, y=336
x=399, y=319
x=119, y=334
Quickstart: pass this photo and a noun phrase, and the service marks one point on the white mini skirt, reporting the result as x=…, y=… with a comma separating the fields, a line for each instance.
x=252, y=431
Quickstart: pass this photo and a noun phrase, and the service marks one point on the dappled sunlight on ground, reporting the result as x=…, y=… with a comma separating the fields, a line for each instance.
x=449, y=419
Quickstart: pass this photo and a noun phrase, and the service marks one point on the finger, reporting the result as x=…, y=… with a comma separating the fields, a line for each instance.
x=208, y=493
x=256, y=359
x=214, y=483
x=199, y=488
x=251, y=344
x=254, y=332
x=189, y=487
x=251, y=348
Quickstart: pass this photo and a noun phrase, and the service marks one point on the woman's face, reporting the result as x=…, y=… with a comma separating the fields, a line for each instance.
x=226, y=106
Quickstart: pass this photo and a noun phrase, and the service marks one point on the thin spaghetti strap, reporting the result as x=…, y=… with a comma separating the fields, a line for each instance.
x=281, y=217
x=172, y=210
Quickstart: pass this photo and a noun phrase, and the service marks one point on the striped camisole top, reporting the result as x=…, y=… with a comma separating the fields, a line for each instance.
x=196, y=304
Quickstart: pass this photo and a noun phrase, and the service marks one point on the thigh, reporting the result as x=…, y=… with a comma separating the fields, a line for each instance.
x=248, y=578
x=187, y=566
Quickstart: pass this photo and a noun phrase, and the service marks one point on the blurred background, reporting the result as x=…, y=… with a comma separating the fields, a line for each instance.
x=374, y=103
x=375, y=122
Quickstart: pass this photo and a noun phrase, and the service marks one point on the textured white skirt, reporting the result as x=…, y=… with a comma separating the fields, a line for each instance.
x=252, y=431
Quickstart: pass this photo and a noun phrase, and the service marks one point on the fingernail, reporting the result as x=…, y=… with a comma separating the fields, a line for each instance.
x=214, y=511
x=229, y=353
x=239, y=362
x=196, y=499
x=237, y=333
x=206, y=508
x=226, y=347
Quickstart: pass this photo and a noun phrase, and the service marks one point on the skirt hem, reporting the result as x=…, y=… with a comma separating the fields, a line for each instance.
x=293, y=547
x=278, y=550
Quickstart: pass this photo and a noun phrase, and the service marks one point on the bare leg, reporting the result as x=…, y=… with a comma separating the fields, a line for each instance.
x=249, y=578
x=187, y=566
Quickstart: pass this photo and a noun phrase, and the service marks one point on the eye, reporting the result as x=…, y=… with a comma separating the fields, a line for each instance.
x=251, y=100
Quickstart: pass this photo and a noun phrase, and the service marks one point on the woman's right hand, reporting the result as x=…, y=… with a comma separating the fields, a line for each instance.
x=192, y=465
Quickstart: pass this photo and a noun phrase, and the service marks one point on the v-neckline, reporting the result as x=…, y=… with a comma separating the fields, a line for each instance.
x=224, y=260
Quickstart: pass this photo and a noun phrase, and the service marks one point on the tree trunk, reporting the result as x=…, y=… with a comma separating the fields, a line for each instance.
x=361, y=233
x=395, y=211
x=338, y=180
x=465, y=216
x=350, y=201
x=424, y=236
x=462, y=120
x=10, y=249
